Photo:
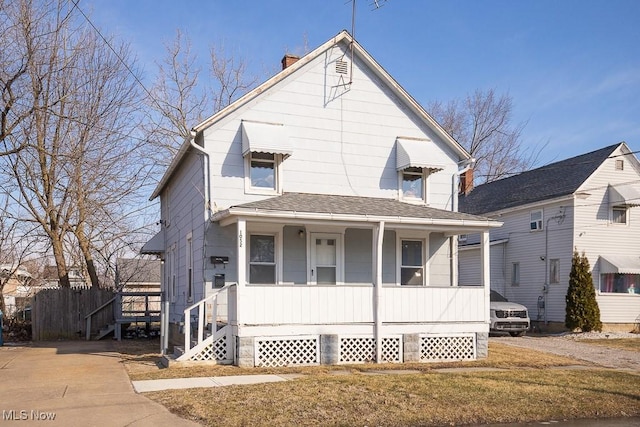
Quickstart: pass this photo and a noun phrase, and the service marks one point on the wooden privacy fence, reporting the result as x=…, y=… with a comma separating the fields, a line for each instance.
x=60, y=313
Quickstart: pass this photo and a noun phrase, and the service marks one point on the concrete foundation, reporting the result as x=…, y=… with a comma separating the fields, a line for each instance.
x=411, y=348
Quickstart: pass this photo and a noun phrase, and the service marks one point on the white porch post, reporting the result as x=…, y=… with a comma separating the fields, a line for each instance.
x=242, y=266
x=453, y=241
x=379, y=235
x=485, y=269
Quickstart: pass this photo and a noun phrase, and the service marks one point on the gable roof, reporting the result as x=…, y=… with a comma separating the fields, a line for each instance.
x=352, y=208
x=362, y=54
x=547, y=182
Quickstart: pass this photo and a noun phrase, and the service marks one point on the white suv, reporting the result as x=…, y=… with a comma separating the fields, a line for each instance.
x=508, y=316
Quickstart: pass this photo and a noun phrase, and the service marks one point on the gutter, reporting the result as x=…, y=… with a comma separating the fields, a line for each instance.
x=207, y=174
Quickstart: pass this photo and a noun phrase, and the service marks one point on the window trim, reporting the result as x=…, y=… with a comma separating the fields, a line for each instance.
x=277, y=175
x=539, y=223
x=625, y=216
x=189, y=267
x=515, y=273
x=276, y=258
x=424, y=174
x=554, y=271
x=425, y=264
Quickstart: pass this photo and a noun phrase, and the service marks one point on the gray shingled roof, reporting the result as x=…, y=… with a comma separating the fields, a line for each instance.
x=136, y=270
x=547, y=182
x=352, y=205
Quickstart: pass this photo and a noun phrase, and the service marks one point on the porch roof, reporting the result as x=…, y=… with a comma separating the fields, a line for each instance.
x=303, y=206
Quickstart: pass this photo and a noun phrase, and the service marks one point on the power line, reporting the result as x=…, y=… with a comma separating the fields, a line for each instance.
x=75, y=5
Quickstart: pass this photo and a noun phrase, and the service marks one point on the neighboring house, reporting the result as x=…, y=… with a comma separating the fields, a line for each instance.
x=321, y=206
x=587, y=203
x=76, y=277
x=17, y=289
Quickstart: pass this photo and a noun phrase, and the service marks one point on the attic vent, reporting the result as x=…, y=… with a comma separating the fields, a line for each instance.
x=619, y=165
x=341, y=67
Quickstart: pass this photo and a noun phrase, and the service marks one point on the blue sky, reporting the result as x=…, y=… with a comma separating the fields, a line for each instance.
x=572, y=67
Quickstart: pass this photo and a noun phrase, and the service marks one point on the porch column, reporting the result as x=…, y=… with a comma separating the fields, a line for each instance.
x=379, y=235
x=485, y=269
x=241, y=240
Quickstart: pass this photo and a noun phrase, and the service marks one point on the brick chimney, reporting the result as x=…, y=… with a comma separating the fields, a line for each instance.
x=288, y=60
x=466, y=182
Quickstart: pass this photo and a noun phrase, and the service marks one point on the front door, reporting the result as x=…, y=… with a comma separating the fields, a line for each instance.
x=325, y=257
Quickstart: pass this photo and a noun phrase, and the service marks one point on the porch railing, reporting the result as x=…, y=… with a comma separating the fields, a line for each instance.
x=201, y=317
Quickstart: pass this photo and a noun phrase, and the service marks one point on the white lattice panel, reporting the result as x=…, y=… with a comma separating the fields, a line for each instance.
x=447, y=347
x=217, y=350
x=287, y=351
x=363, y=349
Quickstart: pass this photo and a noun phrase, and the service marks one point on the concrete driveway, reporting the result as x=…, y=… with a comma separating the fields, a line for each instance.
x=73, y=383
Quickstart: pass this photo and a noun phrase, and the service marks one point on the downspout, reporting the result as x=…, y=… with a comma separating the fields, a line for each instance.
x=545, y=290
x=207, y=204
x=207, y=175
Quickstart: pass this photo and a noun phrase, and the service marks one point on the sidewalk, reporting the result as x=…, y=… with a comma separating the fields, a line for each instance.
x=73, y=383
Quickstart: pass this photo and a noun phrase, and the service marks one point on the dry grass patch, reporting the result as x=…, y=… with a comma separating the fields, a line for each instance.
x=427, y=398
x=141, y=358
x=631, y=344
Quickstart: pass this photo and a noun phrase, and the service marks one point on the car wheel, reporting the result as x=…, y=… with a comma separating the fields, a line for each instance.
x=517, y=334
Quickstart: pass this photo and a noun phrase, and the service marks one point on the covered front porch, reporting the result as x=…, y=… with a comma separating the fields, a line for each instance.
x=325, y=277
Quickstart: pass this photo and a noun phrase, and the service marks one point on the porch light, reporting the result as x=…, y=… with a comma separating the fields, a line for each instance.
x=301, y=233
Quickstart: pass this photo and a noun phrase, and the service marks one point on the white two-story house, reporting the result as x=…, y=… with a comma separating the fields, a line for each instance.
x=588, y=203
x=314, y=221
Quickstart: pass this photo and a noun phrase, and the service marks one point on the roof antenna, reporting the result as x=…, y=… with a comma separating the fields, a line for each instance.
x=376, y=4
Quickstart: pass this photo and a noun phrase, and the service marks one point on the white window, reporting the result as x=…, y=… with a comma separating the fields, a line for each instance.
x=262, y=259
x=554, y=271
x=412, y=263
x=189, y=265
x=619, y=214
x=535, y=223
x=413, y=185
x=619, y=165
x=263, y=170
x=515, y=274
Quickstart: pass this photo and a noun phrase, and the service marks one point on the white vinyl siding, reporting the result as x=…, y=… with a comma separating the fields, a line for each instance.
x=330, y=131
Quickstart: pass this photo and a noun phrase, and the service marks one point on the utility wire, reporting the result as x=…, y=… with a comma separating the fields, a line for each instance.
x=75, y=5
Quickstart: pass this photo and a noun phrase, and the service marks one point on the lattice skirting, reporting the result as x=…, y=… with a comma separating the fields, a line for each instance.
x=287, y=351
x=217, y=350
x=447, y=347
x=362, y=349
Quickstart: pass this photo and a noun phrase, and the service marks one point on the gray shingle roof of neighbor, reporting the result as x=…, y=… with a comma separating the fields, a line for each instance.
x=136, y=270
x=354, y=205
x=547, y=182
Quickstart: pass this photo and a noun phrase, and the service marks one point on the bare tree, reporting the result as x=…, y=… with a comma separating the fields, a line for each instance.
x=179, y=99
x=25, y=31
x=75, y=171
x=482, y=124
